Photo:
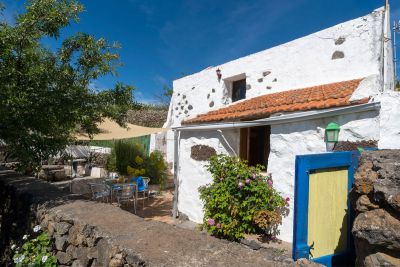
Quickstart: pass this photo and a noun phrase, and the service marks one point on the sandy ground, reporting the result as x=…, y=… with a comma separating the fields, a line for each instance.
x=157, y=207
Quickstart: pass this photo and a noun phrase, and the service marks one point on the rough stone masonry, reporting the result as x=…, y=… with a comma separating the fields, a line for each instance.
x=87, y=233
x=376, y=199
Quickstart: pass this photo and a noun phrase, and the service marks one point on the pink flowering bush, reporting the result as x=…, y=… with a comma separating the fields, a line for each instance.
x=240, y=200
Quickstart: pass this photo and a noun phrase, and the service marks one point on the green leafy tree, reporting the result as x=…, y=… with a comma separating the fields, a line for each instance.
x=45, y=95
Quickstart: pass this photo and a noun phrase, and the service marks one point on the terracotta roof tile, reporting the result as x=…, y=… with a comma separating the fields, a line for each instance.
x=316, y=97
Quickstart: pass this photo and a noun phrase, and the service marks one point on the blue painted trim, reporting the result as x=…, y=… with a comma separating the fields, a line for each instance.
x=304, y=165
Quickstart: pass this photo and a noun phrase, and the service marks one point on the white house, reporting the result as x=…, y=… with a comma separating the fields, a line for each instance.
x=270, y=106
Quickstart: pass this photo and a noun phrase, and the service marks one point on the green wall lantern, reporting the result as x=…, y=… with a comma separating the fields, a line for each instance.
x=332, y=132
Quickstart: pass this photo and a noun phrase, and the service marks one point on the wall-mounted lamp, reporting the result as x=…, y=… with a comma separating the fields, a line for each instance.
x=332, y=132
x=219, y=74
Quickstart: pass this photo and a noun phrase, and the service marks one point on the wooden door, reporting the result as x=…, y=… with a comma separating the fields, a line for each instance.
x=323, y=215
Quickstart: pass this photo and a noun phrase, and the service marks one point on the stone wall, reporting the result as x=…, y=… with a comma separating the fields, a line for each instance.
x=376, y=199
x=87, y=233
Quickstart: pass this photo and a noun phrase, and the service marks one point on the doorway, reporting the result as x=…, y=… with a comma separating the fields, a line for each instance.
x=255, y=145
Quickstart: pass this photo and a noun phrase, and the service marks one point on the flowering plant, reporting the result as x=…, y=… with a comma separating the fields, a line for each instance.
x=240, y=200
x=35, y=251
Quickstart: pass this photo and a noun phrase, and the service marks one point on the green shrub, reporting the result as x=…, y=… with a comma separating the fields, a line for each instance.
x=240, y=200
x=157, y=168
x=35, y=251
x=125, y=153
x=111, y=164
x=130, y=159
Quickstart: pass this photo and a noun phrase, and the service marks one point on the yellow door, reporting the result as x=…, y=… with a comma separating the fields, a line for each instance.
x=327, y=212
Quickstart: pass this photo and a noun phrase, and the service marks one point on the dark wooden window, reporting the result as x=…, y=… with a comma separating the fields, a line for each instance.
x=238, y=90
x=255, y=145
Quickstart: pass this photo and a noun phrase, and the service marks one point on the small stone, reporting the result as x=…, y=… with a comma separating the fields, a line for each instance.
x=251, y=243
x=381, y=259
x=92, y=253
x=116, y=263
x=118, y=256
x=248, y=86
x=75, y=237
x=190, y=107
x=183, y=96
x=51, y=228
x=82, y=255
x=92, y=241
x=377, y=228
x=72, y=251
x=208, y=96
x=95, y=263
x=288, y=261
x=211, y=104
x=87, y=230
x=61, y=242
x=134, y=260
x=266, y=73
x=77, y=263
x=365, y=178
x=340, y=40
x=45, y=221
x=269, y=87
x=62, y=228
x=63, y=258
x=306, y=262
x=364, y=204
x=275, y=80
x=337, y=55
x=213, y=90
x=260, y=80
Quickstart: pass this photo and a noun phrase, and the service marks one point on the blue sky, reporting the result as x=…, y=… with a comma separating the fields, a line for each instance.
x=162, y=40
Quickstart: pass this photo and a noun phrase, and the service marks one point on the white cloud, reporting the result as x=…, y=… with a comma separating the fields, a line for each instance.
x=141, y=98
x=160, y=79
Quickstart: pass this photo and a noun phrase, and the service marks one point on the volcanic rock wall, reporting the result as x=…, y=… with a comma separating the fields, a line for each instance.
x=376, y=199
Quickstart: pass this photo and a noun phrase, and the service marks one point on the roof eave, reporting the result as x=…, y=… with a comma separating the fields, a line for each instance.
x=287, y=118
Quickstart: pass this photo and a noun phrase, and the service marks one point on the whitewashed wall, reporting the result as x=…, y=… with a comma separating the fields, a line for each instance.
x=390, y=121
x=287, y=141
x=192, y=173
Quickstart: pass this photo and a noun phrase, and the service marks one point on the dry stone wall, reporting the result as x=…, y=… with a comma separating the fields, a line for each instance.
x=376, y=199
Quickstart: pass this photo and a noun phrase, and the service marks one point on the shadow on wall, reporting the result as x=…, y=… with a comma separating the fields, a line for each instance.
x=343, y=121
x=229, y=139
x=343, y=244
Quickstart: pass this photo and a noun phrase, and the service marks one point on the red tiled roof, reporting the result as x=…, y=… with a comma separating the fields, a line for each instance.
x=316, y=97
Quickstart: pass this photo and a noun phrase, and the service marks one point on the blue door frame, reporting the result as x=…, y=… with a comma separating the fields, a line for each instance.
x=304, y=165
